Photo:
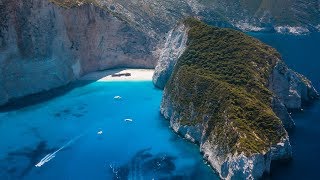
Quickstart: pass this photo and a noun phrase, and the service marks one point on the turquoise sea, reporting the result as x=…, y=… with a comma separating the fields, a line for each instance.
x=88, y=134
x=85, y=133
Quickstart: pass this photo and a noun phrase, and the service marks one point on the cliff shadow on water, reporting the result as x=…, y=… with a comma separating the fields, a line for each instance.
x=33, y=99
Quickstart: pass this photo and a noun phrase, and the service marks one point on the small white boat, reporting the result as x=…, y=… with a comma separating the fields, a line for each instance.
x=117, y=97
x=128, y=120
x=99, y=132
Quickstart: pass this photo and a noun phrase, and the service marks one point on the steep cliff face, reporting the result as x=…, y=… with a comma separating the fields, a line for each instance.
x=224, y=94
x=295, y=88
x=172, y=50
x=45, y=46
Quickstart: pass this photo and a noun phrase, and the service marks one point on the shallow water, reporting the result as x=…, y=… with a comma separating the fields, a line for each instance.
x=83, y=135
x=301, y=53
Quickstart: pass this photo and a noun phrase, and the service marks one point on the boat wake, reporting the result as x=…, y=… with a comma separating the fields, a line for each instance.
x=50, y=156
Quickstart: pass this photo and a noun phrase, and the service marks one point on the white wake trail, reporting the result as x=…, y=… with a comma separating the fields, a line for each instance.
x=50, y=156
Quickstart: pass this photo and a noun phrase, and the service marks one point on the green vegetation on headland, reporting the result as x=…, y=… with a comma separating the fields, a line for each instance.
x=222, y=78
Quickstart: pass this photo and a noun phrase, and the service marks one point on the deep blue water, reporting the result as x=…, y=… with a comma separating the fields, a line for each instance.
x=144, y=148
x=64, y=130
x=301, y=53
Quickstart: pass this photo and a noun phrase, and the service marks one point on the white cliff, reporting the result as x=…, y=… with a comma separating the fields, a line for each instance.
x=290, y=87
x=43, y=45
x=175, y=45
x=231, y=165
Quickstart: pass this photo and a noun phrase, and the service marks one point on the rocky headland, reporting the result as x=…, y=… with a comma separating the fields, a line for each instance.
x=230, y=93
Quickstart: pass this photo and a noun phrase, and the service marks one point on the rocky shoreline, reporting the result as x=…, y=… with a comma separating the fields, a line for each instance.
x=290, y=89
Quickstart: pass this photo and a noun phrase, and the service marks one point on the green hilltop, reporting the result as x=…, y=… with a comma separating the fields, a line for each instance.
x=224, y=74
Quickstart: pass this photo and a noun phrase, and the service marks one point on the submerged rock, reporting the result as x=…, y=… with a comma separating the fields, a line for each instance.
x=229, y=93
x=145, y=165
x=32, y=155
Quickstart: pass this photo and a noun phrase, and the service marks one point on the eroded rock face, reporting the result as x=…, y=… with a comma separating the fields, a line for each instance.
x=291, y=87
x=288, y=90
x=238, y=166
x=43, y=46
x=175, y=45
x=228, y=166
x=282, y=112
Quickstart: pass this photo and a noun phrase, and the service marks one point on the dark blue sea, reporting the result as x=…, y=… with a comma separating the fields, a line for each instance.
x=301, y=53
x=84, y=133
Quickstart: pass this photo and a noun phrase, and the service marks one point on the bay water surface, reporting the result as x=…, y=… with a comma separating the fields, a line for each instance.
x=87, y=133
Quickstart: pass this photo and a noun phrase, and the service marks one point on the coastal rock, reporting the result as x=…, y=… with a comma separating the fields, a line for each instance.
x=193, y=133
x=236, y=166
x=282, y=150
x=290, y=87
x=175, y=45
x=228, y=165
x=282, y=112
x=191, y=102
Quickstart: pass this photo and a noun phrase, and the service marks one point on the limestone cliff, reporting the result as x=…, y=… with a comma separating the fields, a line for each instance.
x=44, y=45
x=225, y=94
x=172, y=50
x=294, y=89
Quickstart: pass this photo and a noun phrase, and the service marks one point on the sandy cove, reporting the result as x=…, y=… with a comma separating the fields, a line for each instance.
x=126, y=75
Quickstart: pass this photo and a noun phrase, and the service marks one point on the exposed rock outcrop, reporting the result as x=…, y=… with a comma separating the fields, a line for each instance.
x=282, y=112
x=228, y=166
x=204, y=104
x=291, y=87
x=175, y=45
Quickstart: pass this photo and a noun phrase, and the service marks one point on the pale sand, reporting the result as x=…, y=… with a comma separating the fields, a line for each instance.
x=136, y=75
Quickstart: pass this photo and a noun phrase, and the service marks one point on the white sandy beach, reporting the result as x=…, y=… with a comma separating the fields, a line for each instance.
x=136, y=75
